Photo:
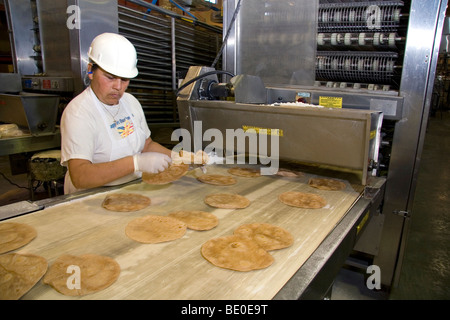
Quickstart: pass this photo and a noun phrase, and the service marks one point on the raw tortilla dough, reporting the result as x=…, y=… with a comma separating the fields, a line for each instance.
x=19, y=273
x=268, y=236
x=195, y=219
x=326, y=184
x=172, y=173
x=155, y=229
x=236, y=253
x=227, y=201
x=96, y=273
x=217, y=179
x=125, y=202
x=15, y=235
x=302, y=200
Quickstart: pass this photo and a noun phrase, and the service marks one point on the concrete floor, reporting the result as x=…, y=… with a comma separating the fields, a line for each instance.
x=425, y=274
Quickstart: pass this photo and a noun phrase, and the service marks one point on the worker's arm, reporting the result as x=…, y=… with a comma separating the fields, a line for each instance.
x=153, y=146
x=85, y=174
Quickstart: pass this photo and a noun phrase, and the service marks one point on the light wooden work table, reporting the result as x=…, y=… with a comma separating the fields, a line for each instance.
x=176, y=269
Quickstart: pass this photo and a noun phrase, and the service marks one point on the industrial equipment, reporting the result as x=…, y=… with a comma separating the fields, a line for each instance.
x=367, y=55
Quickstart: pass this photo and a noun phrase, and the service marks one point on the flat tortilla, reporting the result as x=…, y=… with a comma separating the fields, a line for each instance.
x=302, y=200
x=217, y=179
x=196, y=220
x=171, y=174
x=96, y=273
x=326, y=184
x=125, y=202
x=227, y=201
x=155, y=229
x=236, y=253
x=289, y=173
x=245, y=172
x=15, y=235
x=19, y=273
x=267, y=236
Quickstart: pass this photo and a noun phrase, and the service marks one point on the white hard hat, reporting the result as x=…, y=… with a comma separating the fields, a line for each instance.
x=114, y=54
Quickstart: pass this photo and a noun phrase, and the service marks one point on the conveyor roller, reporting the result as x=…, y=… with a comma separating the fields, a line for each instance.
x=372, y=67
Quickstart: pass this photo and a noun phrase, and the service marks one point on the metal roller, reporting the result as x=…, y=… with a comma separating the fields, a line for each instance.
x=369, y=32
x=359, y=16
x=366, y=67
x=376, y=39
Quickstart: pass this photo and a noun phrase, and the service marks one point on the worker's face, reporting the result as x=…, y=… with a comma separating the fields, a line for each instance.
x=107, y=87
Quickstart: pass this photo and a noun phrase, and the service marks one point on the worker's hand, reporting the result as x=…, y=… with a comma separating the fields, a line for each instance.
x=185, y=157
x=151, y=162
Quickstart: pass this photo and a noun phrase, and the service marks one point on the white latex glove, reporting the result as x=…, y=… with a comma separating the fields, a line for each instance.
x=151, y=162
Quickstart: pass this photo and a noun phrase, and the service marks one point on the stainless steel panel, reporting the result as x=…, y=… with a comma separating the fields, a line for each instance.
x=273, y=29
x=10, y=83
x=22, y=37
x=54, y=36
x=32, y=111
x=321, y=136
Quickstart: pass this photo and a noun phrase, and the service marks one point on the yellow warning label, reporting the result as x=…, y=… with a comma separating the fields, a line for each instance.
x=363, y=222
x=331, y=102
x=373, y=134
x=266, y=131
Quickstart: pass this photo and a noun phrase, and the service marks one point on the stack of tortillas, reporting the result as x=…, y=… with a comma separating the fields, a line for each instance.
x=19, y=273
x=268, y=236
x=80, y=275
x=247, y=249
x=125, y=202
x=172, y=173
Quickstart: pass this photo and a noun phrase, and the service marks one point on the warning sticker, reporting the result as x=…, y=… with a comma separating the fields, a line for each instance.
x=331, y=102
x=266, y=131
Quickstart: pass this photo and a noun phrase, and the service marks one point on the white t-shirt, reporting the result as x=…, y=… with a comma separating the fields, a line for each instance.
x=89, y=132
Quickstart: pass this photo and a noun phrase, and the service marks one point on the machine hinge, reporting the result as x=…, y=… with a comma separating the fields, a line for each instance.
x=404, y=214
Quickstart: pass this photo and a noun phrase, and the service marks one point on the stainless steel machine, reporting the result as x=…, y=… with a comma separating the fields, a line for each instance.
x=372, y=56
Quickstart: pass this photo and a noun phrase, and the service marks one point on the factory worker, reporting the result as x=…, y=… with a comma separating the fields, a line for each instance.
x=105, y=136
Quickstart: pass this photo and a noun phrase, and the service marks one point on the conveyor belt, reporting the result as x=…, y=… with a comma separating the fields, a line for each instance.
x=176, y=270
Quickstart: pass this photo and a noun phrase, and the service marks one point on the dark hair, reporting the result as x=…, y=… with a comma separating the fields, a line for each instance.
x=94, y=67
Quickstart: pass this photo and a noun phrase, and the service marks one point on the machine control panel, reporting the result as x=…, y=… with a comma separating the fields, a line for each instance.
x=54, y=84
